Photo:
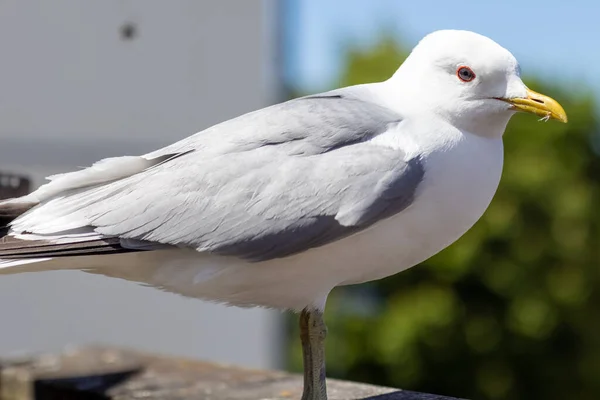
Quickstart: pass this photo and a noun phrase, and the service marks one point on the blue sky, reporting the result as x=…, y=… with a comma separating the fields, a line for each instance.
x=551, y=39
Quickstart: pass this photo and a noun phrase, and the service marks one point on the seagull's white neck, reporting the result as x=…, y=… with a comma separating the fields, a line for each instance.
x=491, y=126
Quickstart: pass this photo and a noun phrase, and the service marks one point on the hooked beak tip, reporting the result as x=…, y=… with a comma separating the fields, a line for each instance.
x=538, y=104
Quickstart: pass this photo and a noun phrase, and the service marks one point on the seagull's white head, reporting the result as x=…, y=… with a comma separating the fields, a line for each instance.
x=469, y=80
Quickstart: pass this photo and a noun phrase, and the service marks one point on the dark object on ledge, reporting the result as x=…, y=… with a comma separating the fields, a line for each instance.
x=114, y=373
x=12, y=185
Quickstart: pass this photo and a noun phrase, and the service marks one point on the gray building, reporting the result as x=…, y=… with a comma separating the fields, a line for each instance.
x=88, y=80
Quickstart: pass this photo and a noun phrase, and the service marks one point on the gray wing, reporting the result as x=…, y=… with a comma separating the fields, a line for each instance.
x=265, y=185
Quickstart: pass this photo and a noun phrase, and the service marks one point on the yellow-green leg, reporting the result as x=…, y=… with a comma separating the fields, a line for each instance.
x=312, y=334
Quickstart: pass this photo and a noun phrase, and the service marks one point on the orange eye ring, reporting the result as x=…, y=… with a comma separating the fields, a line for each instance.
x=465, y=74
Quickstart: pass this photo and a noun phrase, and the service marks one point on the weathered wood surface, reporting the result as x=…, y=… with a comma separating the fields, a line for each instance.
x=112, y=373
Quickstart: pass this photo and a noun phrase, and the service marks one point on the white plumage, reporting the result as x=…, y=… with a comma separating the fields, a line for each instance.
x=277, y=207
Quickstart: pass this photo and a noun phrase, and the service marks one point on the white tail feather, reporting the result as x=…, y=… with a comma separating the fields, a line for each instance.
x=103, y=171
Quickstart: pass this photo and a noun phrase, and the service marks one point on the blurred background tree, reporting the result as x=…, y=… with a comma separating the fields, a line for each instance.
x=510, y=311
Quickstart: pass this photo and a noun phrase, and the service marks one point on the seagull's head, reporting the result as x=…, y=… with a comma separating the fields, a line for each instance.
x=469, y=80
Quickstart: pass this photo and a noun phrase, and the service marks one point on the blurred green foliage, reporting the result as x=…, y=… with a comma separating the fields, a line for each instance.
x=511, y=310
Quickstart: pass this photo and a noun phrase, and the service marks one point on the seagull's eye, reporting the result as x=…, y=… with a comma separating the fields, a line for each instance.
x=465, y=74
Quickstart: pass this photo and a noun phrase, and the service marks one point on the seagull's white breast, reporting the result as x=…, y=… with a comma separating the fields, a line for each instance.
x=460, y=182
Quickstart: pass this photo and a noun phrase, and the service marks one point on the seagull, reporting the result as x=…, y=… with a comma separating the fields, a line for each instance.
x=277, y=207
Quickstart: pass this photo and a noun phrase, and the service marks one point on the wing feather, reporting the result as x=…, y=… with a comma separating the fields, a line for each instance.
x=265, y=185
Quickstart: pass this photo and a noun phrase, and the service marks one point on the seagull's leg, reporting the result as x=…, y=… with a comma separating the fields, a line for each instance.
x=312, y=334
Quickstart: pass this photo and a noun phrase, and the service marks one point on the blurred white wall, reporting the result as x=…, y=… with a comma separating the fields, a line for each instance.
x=80, y=81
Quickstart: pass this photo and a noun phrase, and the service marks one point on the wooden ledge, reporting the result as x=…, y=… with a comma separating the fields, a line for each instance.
x=99, y=372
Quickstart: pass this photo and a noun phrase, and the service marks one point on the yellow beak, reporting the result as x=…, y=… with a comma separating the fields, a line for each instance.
x=540, y=105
